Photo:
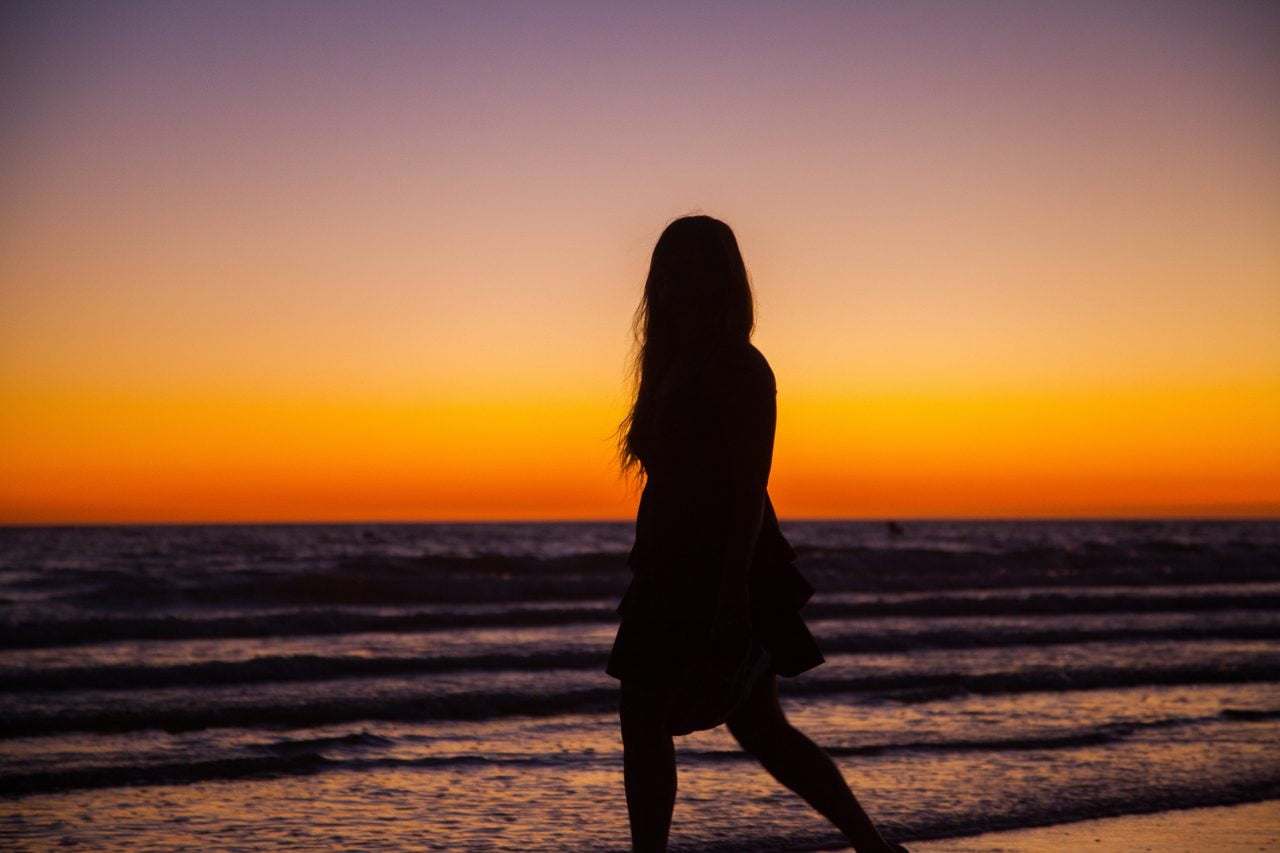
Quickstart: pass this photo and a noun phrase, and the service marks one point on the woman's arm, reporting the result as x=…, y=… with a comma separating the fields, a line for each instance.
x=749, y=416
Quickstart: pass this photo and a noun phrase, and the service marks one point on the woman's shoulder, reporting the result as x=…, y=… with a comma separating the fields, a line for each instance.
x=744, y=366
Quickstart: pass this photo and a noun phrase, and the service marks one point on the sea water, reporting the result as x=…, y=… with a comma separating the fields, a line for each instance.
x=441, y=686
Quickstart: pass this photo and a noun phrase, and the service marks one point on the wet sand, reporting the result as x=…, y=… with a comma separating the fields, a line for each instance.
x=1246, y=828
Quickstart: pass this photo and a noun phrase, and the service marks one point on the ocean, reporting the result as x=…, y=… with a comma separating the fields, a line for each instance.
x=441, y=686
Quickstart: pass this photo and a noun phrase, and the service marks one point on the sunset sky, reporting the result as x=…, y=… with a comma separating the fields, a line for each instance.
x=377, y=261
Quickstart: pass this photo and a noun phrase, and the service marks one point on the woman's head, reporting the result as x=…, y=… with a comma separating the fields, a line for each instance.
x=697, y=290
x=697, y=298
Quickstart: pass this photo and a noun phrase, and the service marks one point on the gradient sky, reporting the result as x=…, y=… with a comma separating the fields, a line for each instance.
x=324, y=261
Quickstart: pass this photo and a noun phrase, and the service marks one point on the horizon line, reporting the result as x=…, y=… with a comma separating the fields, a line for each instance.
x=880, y=519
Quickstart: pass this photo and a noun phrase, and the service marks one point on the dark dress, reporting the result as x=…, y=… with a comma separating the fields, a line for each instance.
x=706, y=442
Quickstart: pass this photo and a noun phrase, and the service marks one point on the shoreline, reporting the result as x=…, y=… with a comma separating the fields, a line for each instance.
x=1243, y=828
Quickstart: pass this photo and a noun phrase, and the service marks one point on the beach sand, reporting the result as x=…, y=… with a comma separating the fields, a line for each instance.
x=1246, y=828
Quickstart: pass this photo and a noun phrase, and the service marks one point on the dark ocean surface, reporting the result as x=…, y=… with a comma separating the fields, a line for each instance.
x=441, y=686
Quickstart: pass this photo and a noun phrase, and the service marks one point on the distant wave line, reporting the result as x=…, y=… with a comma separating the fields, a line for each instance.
x=80, y=631
x=475, y=705
x=294, y=668
x=305, y=756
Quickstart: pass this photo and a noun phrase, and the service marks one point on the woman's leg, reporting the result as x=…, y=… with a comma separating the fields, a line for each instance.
x=648, y=765
x=801, y=765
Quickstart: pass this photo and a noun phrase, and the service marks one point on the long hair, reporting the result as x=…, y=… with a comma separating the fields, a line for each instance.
x=697, y=298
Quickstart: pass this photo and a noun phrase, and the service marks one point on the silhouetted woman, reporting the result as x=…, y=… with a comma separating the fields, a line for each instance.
x=711, y=616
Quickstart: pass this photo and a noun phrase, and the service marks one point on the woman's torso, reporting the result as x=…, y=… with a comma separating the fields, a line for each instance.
x=695, y=439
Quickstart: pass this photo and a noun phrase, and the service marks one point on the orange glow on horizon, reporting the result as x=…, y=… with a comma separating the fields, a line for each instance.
x=1095, y=452
x=1141, y=452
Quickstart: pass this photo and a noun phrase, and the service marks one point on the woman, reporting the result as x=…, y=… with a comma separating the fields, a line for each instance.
x=710, y=618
